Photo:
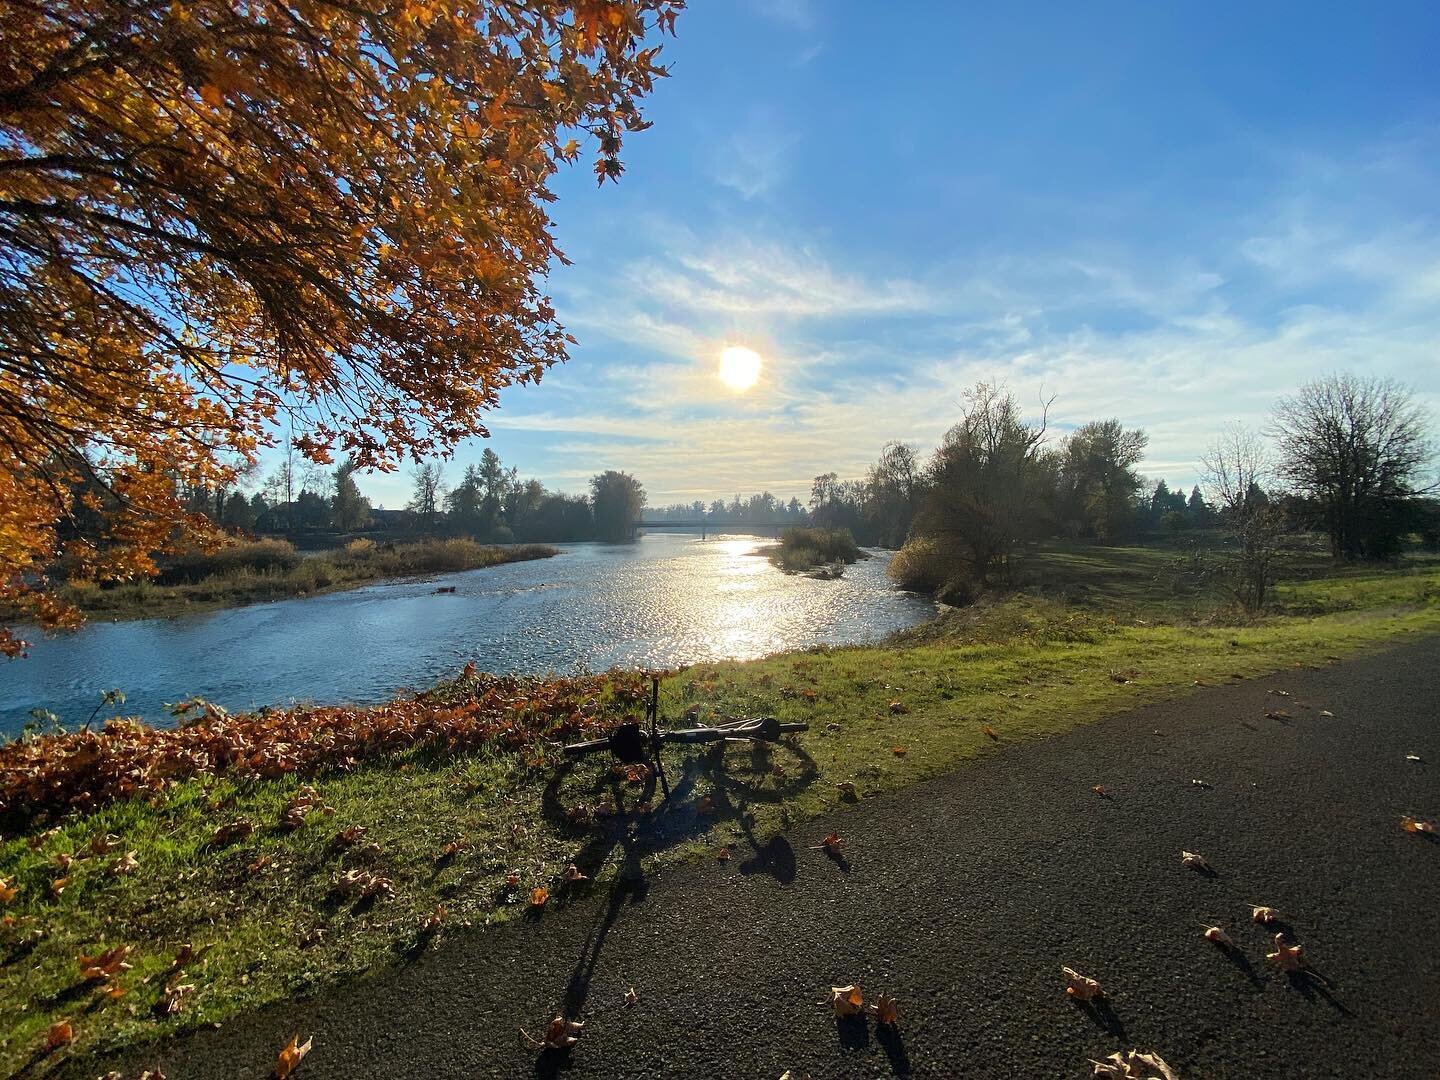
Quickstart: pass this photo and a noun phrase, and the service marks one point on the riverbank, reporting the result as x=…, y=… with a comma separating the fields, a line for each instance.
x=442, y=814
x=266, y=570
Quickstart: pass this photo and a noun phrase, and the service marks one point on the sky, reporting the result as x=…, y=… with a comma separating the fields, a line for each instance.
x=1168, y=213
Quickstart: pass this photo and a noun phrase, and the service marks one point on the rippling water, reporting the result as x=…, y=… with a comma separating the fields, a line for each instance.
x=668, y=599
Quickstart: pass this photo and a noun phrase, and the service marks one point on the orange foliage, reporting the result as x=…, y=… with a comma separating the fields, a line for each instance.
x=216, y=219
x=88, y=769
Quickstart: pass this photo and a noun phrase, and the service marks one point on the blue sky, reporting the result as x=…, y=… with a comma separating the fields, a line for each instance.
x=1169, y=213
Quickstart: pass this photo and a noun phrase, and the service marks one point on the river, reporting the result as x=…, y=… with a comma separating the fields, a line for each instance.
x=665, y=600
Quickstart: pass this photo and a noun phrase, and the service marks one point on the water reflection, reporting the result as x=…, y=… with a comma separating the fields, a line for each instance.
x=669, y=599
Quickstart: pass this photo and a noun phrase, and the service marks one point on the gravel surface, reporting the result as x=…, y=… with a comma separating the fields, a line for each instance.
x=962, y=897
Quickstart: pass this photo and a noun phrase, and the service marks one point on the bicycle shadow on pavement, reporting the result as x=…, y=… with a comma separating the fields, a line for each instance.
x=735, y=780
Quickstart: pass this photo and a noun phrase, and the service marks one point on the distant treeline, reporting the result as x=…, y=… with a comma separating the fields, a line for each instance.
x=489, y=504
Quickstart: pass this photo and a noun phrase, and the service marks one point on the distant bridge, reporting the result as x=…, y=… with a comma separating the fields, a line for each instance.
x=766, y=528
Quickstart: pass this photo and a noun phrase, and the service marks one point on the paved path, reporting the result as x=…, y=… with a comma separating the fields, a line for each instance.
x=962, y=897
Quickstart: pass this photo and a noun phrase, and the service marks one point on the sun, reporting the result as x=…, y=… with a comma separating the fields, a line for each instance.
x=739, y=367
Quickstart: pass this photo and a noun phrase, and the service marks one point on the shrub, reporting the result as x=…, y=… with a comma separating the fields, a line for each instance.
x=959, y=591
x=828, y=545
x=921, y=566
x=257, y=556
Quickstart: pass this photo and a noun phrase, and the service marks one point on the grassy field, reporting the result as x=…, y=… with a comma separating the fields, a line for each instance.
x=1097, y=631
x=257, y=571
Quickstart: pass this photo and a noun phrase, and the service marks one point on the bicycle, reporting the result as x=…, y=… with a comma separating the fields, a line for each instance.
x=633, y=745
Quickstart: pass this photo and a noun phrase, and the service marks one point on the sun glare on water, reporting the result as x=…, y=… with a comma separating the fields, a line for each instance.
x=739, y=367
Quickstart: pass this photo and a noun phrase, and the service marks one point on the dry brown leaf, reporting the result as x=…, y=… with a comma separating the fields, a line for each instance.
x=261, y=863
x=1277, y=714
x=512, y=879
x=239, y=829
x=560, y=1034
x=8, y=891
x=1219, y=937
x=187, y=954
x=103, y=843
x=454, y=847
x=104, y=965
x=539, y=896
x=631, y=998
x=898, y=751
x=290, y=1057
x=1288, y=958
x=832, y=843
x=350, y=836
x=846, y=788
x=1132, y=1065
x=990, y=731
x=1100, y=790
x=1264, y=915
x=573, y=875
x=113, y=991
x=884, y=1009
x=61, y=1033
x=364, y=883
x=846, y=1000
x=705, y=805
x=59, y=885
x=62, y=860
x=172, y=997
x=1192, y=861
x=724, y=853
x=432, y=922
x=1202, y=784
x=1079, y=986
x=1414, y=825
x=126, y=864
x=899, y=707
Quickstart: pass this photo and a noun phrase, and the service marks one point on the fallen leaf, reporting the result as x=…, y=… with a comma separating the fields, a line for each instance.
x=1277, y=714
x=898, y=707
x=846, y=1000
x=631, y=998
x=1219, y=937
x=990, y=731
x=1412, y=757
x=1080, y=987
x=111, y=990
x=1264, y=915
x=432, y=922
x=187, y=954
x=103, y=843
x=1288, y=958
x=1202, y=784
x=898, y=751
x=884, y=1009
x=363, y=884
x=126, y=864
x=724, y=853
x=59, y=885
x=8, y=891
x=350, y=836
x=539, y=896
x=1326, y=712
x=1414, y=825
x=573, y=875
x=239, y=829
x=290, y=1057
x=1132, y=1065
x=172, y=997
x=104, y=965
x=1100, y=790
x=60, y=1034
x=512, y=879
x=705, y=805
x=832, y=843
x=260, y=863
x=453, y=848
x=560, y=1034
x=1191, y=861
x=846, y=788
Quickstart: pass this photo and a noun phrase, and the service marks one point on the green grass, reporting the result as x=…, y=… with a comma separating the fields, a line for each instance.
x=1028, y=666
x=265, y=570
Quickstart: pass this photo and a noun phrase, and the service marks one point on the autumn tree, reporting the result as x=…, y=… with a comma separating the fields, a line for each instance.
x=1358, y=449
x=218, y=219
